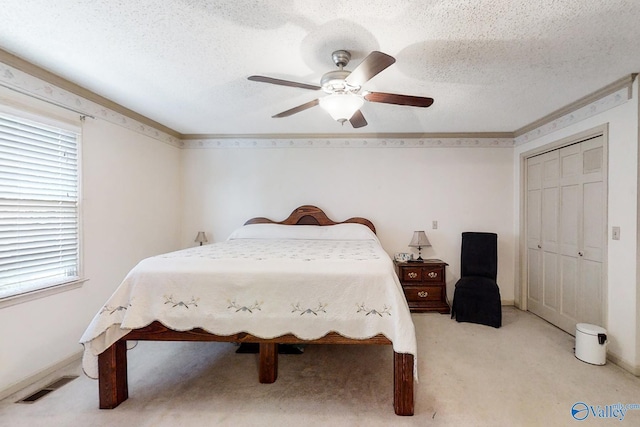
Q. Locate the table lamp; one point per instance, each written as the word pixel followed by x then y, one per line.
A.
pixel 419 241
pixel 201 238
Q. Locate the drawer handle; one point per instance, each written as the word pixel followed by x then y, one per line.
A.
pixel 412 275
pixel 432 274
pixel 423 294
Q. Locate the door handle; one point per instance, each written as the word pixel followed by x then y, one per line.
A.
pixel 539 246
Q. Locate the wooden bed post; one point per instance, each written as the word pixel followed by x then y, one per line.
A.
pixel 403 383
pixel 112 375
pixel 268 372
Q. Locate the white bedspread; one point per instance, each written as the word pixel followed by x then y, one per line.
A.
pixel 266 286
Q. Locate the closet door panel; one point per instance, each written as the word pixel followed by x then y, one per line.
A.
pixel 569 286
pixel 594 222
pixel 533 277
pixel 591 307
pixel 550 287
pixel 569 217
pixel 570 162
pixel 550 209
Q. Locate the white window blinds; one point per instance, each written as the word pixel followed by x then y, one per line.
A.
pixel 39 244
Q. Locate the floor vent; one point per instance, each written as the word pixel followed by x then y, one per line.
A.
pixel 48 389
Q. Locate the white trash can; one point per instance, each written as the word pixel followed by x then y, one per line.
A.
pixel 591 343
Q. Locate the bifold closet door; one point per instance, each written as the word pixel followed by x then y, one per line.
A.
pixel 542 233
pixel 566 234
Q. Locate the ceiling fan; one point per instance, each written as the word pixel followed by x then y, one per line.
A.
pixel 343 87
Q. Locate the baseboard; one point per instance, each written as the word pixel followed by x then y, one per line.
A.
pixel 507 302
pixel 39 376
pixel 629 367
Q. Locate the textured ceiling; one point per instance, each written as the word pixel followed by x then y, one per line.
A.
pixel 491 65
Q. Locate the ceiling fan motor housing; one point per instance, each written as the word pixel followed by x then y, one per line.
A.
pixel 334 82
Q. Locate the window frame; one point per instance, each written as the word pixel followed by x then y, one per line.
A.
pixel 18 296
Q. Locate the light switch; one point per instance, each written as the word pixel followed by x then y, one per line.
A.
pixel 434 225
pixel 615 233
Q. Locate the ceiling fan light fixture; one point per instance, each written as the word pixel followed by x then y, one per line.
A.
pixel 341 106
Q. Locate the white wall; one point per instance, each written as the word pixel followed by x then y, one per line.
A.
pixel 623 322
pixel 399 189
pixel 131 209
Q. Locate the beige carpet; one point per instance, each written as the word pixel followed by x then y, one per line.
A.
pixel 523 374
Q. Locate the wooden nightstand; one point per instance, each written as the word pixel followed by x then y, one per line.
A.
pixel 424 285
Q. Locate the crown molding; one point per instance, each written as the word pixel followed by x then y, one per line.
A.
pixel 48 77
pixel 613 94
pixel 388 135
pixel 357 141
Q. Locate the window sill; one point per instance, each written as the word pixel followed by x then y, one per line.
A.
pixel 40 293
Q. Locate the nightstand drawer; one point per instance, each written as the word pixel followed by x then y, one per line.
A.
pixel 423 293
pixel 432 274
pixel 412 274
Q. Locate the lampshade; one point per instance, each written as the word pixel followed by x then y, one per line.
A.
pixel 341 106
pixel 419 240
pixel 201 237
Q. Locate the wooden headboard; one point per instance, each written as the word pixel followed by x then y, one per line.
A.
pixel 310 215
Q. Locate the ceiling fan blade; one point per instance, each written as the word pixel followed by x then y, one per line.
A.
pixel 297 109
pixel 369 67
pixel 281 82
pixel 392 98
pixel 357 120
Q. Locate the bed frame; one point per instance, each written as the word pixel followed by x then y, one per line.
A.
pixel 112 363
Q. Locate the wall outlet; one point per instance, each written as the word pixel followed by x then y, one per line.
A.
pixel 434 225
pixel 615 233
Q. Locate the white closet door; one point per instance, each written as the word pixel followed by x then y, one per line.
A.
pixel 534 233
pixel 570 217
pixel 594 234
pixel 566 230
pixel 542 234
pixel 550 232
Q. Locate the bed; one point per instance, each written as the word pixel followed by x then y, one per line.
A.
pixel 304 280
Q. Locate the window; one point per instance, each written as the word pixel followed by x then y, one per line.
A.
pixel 39 236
